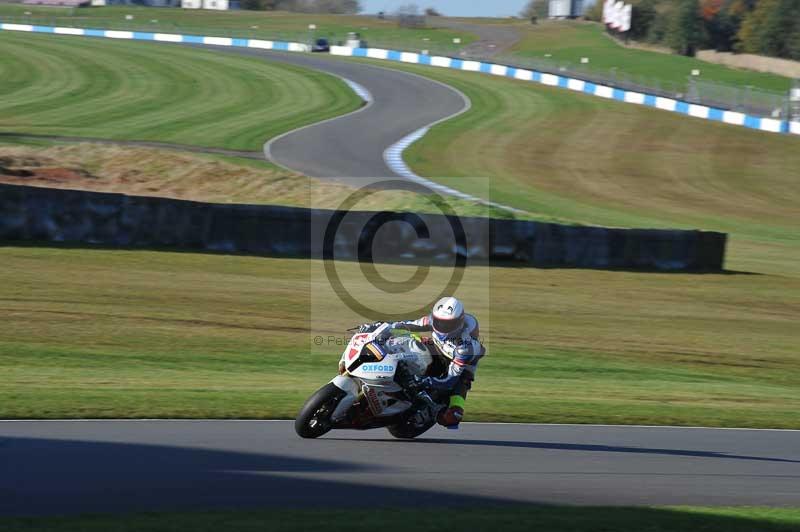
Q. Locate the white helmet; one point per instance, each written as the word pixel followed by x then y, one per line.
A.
pixel 447 317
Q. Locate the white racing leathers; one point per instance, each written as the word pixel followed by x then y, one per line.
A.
pixel 463 348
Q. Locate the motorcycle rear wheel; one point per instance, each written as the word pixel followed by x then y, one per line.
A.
pixel 314 418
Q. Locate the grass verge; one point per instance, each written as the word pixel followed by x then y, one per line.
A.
pixel 211 178
pixel 522 518
pixel 93 333
pixel 567 156
pixel 112 333
pixel 74 86
pixel 270 25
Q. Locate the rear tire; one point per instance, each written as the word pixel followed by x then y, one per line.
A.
pixel 314 418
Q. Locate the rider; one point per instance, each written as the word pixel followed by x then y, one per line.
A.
pixel 455 335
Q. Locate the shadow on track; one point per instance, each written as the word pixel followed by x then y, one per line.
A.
pixel 578 447
pixel 56 477
pixel 46 477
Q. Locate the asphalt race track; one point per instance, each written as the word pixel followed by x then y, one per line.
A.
pixel 55 467
pixel 353 145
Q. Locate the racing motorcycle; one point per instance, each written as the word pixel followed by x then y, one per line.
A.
pixel 376 388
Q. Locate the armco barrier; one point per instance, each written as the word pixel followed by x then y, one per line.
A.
pixel 70 216
pixel 602 91
pixel 577 85
pixel 160 37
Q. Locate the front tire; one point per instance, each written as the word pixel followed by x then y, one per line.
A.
pixel 314 418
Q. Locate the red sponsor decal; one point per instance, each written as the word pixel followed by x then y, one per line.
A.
pixel 355 345
pixel 374 402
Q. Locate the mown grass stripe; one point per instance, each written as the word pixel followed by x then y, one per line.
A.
pixel 121 89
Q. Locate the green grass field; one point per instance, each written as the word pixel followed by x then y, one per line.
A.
pixel 582 159
pixel 125 334
pixel 130 90
pixel 514 518
pixel 112 333
pixel 101 333
pixel 272 25
pixel 569 41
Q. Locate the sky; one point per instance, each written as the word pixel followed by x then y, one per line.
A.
pixel 452 8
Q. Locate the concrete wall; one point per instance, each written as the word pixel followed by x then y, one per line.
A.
pixel 69 216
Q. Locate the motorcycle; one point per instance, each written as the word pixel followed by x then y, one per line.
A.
pixel 375 389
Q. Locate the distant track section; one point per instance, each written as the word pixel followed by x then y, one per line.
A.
pixel 352 146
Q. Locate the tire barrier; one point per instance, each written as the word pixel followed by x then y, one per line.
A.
pixel 77 217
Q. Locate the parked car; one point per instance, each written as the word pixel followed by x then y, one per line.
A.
pixel 321 45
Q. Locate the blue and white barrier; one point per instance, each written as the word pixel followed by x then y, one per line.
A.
pixel 161 37
pixel 667 104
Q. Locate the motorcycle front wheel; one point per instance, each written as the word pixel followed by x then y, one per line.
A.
pixel 314 418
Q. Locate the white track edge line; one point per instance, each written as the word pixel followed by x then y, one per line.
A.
pixel 393 155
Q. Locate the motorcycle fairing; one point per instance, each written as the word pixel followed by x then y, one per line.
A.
pixel 370 369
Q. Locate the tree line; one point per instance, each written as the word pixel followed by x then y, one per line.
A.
pixel 765 27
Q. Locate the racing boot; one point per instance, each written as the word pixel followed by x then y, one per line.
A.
pixel 451 416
